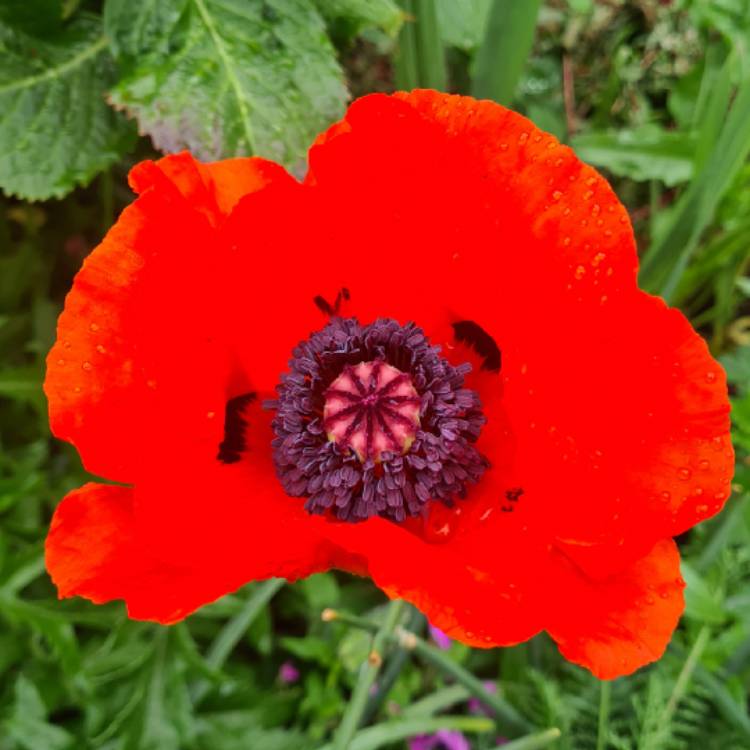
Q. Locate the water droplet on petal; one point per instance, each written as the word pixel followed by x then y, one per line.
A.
pixel 580 271
pixel 86 366
pixel 684 474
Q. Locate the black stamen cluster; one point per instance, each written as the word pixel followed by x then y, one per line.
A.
pixel 439 464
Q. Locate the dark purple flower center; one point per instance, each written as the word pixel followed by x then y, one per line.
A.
pixel 371 421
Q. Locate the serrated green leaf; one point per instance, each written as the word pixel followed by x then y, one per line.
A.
pixel 227 77
pixel 56 130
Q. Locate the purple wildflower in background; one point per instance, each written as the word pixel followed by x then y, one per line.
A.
pixel 439 638
pixel 443 739
pixel 476 706
pixel 288 673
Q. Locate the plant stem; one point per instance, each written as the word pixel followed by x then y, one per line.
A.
pixel 510 719
pixel 391 671
pixel 685 674
pixel 604 704
pixel 368 673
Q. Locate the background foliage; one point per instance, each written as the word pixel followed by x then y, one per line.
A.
pixel 654 92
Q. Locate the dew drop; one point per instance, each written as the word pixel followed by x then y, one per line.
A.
pixel 597 259
pixel 595 209
pixel 211 414
pixel 60 362
pixel 523 138
pixel 66 344
pixel 607 232
pixel 591 181
pixel 566 241
pixel 101 349
pixel 559 162
pixel 701 508
pixel 588 195
pixel 503 146
pixel 566 212
pixel 650 600
pixel 666 496
pixel 710 377
pixel 86 366
pixel 537 139
pixel 703 464
pixel 557 195
pixel 77 389
pixel 580 271
pixel 684 474
pixel 720 496
pixel 664 594
pixel 603 299
pixel 94 327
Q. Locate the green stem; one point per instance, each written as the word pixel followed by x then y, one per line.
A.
pixel 391 672
pixel 368 673
pixel 406 62
pixel 605 697
pixel 686 673
pixel 508 717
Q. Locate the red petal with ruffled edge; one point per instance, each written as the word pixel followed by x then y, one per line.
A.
pixel 139 351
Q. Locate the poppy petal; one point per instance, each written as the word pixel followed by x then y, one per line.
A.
pixel 608 389
pixel 135 356
pixel 614 626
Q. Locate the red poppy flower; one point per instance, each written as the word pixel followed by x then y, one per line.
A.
pixel 277 371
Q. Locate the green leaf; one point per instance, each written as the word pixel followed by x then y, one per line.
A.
pixel 28 726
pixel 507 43
pixel 227 77
pixel 648 153
pixel 462 24
pixel 56 130
pixel 382 14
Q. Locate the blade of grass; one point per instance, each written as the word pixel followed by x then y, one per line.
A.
pixel 670 253
pixel 394 731
pixel 230 635
pixel 686 673
pixel 502 55
pixel 605 698
pixel 533 741
pixel 406 61
pixel 369 671
pixel 420 62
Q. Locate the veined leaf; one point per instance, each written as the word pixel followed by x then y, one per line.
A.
pixel 56 130
pixel 227 77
